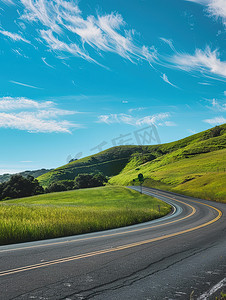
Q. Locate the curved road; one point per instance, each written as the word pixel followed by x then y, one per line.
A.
pixel 180 256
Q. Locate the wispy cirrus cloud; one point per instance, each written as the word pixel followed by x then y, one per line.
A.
pixel 169 42
pixel 217 106
pixel 14 36
pixel 204 83
pixel 215 121
pixel 7 1
pixel 26 85
pixel 63 28
pixel 34 116
pixel 57 45
pixel 165 78
pixel 215 8
pixel 19 52
pixel 45 62
pixel 156 119
pixel 137 109
pixel 205 61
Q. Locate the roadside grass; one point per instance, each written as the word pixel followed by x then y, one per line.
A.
pixel 75 212
pixel 202 175
pixel 221 297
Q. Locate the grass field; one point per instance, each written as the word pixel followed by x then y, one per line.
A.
pixel 202 175
pixel 75 212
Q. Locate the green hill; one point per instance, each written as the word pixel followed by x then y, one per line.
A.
pixel 194 165
pixel 109 162
pixel 198 168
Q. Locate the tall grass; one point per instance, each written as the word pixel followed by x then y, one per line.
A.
pixel 88 210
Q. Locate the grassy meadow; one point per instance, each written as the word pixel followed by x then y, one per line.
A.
pixel 202 175
pixel 75 212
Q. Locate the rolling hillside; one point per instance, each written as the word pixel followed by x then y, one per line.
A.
pixel 109 162
pixel 195 165
pixel 198 169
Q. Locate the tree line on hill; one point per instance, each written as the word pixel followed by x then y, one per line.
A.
pixel 18 186
pixel 34 173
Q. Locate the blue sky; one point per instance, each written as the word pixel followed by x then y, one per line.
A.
pixel 76 75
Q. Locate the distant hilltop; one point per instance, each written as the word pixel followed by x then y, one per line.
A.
pixel 34 173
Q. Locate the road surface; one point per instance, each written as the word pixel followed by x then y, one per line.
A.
pixel 180 256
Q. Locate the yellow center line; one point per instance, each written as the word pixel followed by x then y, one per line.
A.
pixel 119 248
pixel 108 235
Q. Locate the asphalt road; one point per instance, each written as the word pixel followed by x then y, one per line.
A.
pixel 180 256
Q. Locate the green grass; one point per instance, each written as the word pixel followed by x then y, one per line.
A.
pixel 222 296
pixel 75 212
pixel 202 175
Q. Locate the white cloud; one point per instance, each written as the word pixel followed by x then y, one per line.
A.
pixel 8 2
pixel 9 103
pixel 207 62
pixel 216 8
pixel 218 106
pixel 44 60
pixel 170 123
pixel 56 45
pixel 42 11
pixel 154 119
pixel 137 109
pixel 34 116
pixel 216 121
pixel 19 52
pixel 168 42
pixel 14 36
pixel 116 118
pixel 24 84
pixel 165 78
pixel 63 28
pixel 134 121
pixel 204 83
pixel 54 112
pixel 31 123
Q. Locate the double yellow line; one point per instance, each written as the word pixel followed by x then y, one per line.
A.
pixel 119 248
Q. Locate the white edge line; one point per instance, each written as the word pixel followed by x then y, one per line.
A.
pixel 213 290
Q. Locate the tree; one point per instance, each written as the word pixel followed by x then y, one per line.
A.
pixel 56 187
pixel 18 186
pixel 90 180
pixel 213 132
